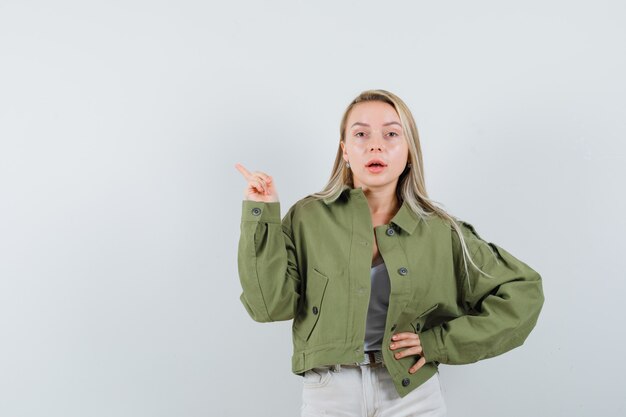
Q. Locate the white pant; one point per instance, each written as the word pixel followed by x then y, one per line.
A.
pixel 363 391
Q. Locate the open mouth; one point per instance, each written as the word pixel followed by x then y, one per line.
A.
pixel 375 166
pixel 376 163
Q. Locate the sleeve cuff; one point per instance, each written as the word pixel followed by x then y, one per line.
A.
pixel 432 349
pixel 258 211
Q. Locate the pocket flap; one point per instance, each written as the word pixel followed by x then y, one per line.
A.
pixel 312 307
pixel 418 322
pixel 428 310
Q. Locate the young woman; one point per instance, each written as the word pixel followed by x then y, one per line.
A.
pixel 381 283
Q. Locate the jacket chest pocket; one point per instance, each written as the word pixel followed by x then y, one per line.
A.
pixel 418 323
pixel 311 311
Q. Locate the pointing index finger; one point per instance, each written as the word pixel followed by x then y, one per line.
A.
pixel 243 171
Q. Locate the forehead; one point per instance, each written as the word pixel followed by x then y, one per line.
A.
pixel 372 113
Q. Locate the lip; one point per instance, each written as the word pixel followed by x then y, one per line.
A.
pixel 374 169
pixel 375 161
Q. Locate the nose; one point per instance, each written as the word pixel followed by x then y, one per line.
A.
pixel 376 143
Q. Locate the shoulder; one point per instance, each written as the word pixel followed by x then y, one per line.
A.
pixel 467 229
pixel 304 208
pixel 468 234
pixel 481 250
pixel 446 226
pixel 306 204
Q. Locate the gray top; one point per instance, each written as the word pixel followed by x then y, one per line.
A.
pixel 377 310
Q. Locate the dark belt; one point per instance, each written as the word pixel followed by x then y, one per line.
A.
pixel 372 358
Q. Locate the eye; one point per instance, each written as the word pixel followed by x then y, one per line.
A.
pixel 359 134
pixel 393 134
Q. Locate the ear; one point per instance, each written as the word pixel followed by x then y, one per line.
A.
pixel 343 149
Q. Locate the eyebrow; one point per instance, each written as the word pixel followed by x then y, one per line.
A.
pixel 365 124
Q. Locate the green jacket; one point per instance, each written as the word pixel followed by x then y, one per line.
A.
pixel 314 267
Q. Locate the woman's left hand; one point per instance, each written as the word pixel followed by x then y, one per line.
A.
pixel 412 342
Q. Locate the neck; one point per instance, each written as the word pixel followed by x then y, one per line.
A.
pixel 382 201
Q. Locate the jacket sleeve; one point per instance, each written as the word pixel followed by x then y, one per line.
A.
pixel 500 311
pixel 267 264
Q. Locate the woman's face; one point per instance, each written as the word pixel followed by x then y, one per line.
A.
pixel 375 145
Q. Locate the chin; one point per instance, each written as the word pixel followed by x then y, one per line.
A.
pixel 376 184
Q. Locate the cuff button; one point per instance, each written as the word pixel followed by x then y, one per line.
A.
pixel 256 211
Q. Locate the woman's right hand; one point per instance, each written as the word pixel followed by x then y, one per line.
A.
pixel 260 186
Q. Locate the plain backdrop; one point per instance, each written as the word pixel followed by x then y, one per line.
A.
pixel 121 122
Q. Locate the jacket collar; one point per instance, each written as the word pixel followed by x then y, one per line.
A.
pixel 404 218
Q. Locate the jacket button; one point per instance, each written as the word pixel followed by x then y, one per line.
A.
pixel 256 211
pixel 405 382
pixel 393 327
pixel 403 271
pixel 390 231
pixel 315 310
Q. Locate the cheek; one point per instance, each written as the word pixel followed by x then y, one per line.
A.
pixel 399 151
pixel 356 149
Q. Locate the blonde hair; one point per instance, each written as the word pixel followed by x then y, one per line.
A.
pixel 411 186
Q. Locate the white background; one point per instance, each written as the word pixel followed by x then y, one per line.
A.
pixel 121 122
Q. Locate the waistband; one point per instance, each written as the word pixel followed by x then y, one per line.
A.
pixel 371 358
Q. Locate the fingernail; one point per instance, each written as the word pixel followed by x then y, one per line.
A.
pixel 392 346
